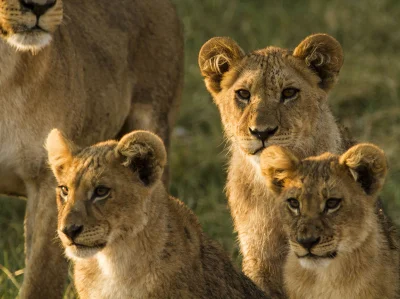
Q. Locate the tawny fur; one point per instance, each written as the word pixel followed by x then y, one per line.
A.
pixel 140 242
pixel 357 255
pixel 98 70
pixel 304 124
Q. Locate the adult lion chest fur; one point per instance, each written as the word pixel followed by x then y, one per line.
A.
pixel 270 96
pixel 96 70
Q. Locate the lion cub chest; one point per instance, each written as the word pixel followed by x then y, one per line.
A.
pixel 101 277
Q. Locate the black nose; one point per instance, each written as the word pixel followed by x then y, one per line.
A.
pixel 308 243
pixel 263 135
pixel 38 7
pixel 72 231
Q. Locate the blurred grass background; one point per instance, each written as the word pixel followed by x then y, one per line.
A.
pixel 366 100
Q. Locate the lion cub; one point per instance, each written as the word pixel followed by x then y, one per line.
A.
pixel 126 236
pixel 341 243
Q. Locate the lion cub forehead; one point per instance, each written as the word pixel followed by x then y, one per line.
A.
pixel 317 168
pixel 91 161
pixel 320 174
pixel 270 67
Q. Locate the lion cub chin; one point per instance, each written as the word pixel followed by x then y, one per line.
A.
pixel 341 243
pixel 125 235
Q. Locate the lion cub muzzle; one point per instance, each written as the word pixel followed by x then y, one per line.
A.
pixel 312 244
pixel 81 237
pixel 308 243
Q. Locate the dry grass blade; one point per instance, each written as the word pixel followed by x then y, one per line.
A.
pixel 10 276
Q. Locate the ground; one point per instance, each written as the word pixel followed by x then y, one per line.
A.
pixel 366 99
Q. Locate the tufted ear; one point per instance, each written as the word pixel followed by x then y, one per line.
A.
pixel 144 153
pixel 216 57
pixel 367 165
pixel 278 166
pixel 60 151
pixel 324 55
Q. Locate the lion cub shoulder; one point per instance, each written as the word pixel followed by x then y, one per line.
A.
pixel 126 236
pixel 341 243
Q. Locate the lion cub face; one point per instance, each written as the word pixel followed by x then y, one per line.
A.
pixel 28 24
pixel 103 190
pixel 327 203
pixel 270 96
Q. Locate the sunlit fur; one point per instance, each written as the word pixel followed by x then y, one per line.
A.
pixel 358 255
pixel 139 242
pixel 23 30
pixel 304 124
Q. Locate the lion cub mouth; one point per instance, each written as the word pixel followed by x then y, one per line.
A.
pixel 313 261
pixel 330 255
pixel 81 246
pixel 76 250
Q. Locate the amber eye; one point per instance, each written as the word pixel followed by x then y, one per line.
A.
pixel 332 203
pixel 289 94
pixel 63 191
pixel 243 95
pixel 101 192
pixel 293 203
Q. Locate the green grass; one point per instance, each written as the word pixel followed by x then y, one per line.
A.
pixel 366 99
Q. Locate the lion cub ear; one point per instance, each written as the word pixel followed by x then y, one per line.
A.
pixel 60 151
pixel 279 166
pixel 324 55
pixel 144 153
pixel 216 57
pixel 367 165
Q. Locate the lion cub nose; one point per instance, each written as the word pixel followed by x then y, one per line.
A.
pixel 308 243
pixel 72 231
pixel 38 7
pixel 263 135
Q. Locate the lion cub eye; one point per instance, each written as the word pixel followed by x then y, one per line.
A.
pixel 293 203
pixel 101 192
pixel 332 204
pixel 63 192
pixel 289 94
pixel 243 95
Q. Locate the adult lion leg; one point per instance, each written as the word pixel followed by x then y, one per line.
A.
pixel 157 113
pixel 45 266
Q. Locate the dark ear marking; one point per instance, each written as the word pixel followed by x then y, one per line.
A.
pixel 367 165
pixel 365 178
pixel 144 153
pixel 144 167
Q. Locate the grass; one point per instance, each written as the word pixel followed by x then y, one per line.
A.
pixel 366 99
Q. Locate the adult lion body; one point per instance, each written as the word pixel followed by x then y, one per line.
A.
pixel 111 67
pixel 270 96
pixel 342 244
